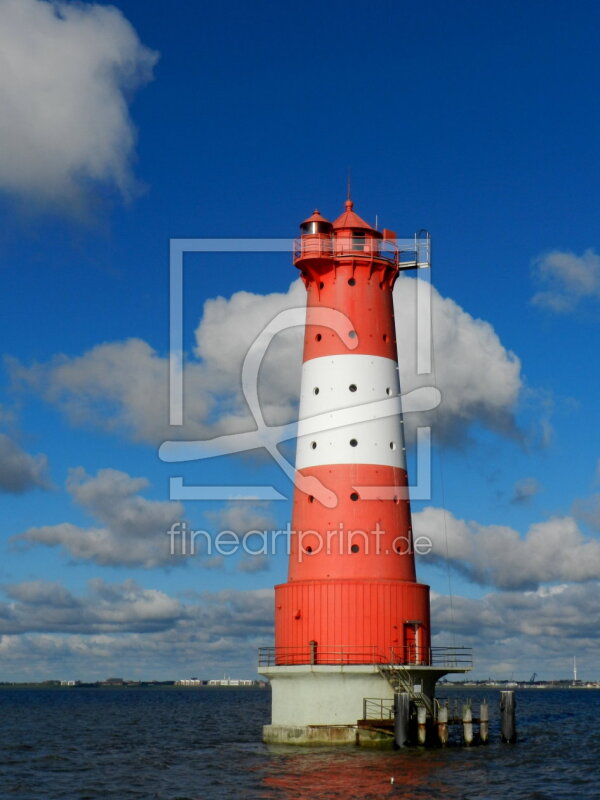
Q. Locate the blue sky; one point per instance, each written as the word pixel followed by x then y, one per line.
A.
pixel 127 125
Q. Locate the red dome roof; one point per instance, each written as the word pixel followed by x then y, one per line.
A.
pixel 315 217
pixel 351 220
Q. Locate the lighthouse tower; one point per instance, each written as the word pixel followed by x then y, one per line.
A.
pixel 352 623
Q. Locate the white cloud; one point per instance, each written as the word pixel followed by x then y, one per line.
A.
pixel 567 279
pixel 479 379
pixel 20 471
pixel 496 555
pixel 132 529
pixel 588 509
pixel 122 386
pixel 45 606
pixel 531 631
pixel 125 629
pixel 524 490
pixel 257 563
pixel 243 516
pixel 67 71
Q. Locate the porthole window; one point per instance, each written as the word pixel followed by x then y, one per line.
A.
pixel 353 442
pixel 352 334
pixel 355 548
pixel 309 549
pixel 311 499
pixel 388 391
pixel 313 445
pixel 354 496
pixel 318 337
pixel 351 282
pixel 352 387
pixel 321 285
pixel 385 337
pixel 316 390
pixel 392 445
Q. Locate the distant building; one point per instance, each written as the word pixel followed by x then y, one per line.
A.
pixel 67 683
pixel 232 682
pixel 190 682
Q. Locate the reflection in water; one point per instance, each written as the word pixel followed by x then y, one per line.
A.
pixel 304 774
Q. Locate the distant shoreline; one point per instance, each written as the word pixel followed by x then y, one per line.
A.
pixel 171 686
pixel 124 687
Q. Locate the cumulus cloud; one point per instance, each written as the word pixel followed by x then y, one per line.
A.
pixel 45 606
pixel 242 517
pixel 530 631
pixel 524 490
pixel 20 471
pixel 128 630
pixel 132 529
pixel 67 71
pixel 588 510
pixel 496 555
pixel 122 386
pixel 255 563
pixel 567 279
pixel 479 379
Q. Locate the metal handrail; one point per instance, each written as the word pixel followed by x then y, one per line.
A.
pixel 409 655
pixel 378 708
pixel 414 253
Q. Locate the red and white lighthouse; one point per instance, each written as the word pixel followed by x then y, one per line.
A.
pixel 352 622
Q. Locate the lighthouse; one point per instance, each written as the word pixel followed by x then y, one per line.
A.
pixel 352 623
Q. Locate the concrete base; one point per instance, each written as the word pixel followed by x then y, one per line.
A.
pixel 328 735
pixel 321 704
pixel 323 694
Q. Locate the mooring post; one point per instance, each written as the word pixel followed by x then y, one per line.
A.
pixel 507 711
pixel 442 725
pixel 421 725
pixel 401 718
pixel 484 719
pixel 467 716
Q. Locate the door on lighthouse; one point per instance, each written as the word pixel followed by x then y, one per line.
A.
pixel 412 643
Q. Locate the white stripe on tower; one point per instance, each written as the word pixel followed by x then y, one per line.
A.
pixel 348 390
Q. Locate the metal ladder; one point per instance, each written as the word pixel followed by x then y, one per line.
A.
pixel 398 677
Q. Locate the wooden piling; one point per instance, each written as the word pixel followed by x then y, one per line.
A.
pixel 484 718
pixel 442 725
pixel 467 717
pixel 507 712
pixel 401 718
pixel 421 725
